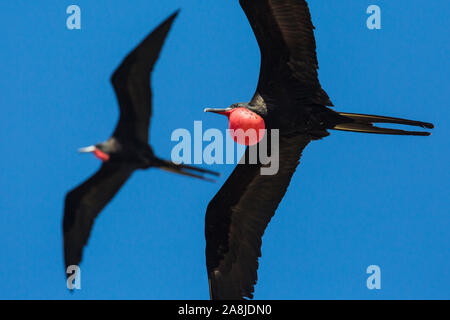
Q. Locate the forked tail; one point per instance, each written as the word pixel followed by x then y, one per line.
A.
pixel 187 170
pixel 364 123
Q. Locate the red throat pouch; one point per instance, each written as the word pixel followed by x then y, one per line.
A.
pixel 101 155
pixel 246 127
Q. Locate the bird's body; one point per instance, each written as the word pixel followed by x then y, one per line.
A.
pixel 134 153
pixel 288 98
pixel 125 151
pixel 290 119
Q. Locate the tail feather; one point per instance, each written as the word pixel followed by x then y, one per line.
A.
pixel 187 170
pixel 364 123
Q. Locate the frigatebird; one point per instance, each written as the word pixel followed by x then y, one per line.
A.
pixel 125 151
pixel 289 98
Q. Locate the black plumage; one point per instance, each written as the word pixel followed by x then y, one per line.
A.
pixel 126 151
pixel 290 98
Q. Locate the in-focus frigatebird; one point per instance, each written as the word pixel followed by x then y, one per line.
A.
pixel 126 150
pixel 290 98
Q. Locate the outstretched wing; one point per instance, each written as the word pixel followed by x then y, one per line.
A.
pixel 285 35
pixel 237 217
pixel 131 83
pixel 84 203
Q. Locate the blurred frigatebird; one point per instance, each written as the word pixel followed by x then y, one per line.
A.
pixel 290 98
pixel 126 151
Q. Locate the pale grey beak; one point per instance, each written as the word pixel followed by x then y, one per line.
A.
pixel 220 111
pixel 87 149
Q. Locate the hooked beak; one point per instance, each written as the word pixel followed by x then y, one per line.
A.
pixel 223 111
pixel 87 149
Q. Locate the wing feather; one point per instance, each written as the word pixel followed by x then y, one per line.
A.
pixel 131 82
pixel 84 203
pixel 237 217
pixel 285 34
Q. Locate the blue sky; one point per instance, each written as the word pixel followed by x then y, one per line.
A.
pixel 356 199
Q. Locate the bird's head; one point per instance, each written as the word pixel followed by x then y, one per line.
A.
pixel 99 150
pixel 245 124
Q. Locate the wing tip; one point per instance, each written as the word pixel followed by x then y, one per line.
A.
pixel 173 16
